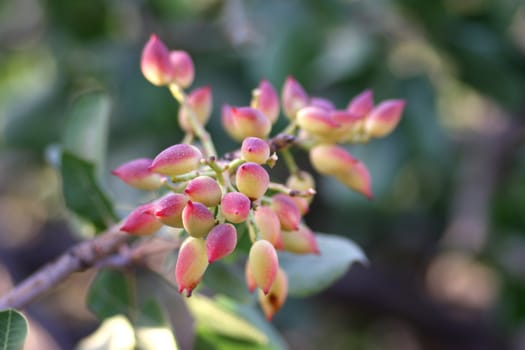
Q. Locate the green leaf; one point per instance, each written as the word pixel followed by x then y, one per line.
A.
pixel 229 280
pixel 253 315
pixel 309 274
pixel 82 192
pixel 217 319
pixel 115 333
pixel 110 294
pixel 13 330
pixel 86 131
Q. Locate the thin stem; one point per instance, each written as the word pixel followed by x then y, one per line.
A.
pixel 289 161
pixel 252 228
pixel 179 187
pixel 290 129
pixel 198 129
pixel 192 175
pixel 188 138
pixel 233 165
pixel 212 163
pixel 291 192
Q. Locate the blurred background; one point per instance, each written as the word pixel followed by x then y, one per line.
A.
pixel 445 233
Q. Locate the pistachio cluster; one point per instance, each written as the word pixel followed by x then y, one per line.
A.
pixel 213 198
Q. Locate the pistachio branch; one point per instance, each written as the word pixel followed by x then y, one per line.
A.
pixel 78 258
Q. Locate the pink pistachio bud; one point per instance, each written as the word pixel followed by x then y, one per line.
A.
pixel 205 190
pixel 141 221
pixel 184 72
pixel 331 159
pixel 221 241
pixel 250 281
pixel 200 101
pixel 357 178
pixel 197 219
pixel 336 161
pixel 316 121
pixel 301 241
pixel 250 122
pixel 176 160
pixel 321 102
pixel 268 225
pixel 235 207
pixel 192 262
pixel 294 97
pixel 267 101
pixel 302 204
pixel 255 150
pixel 136 173
pixel 168 209
pixel 155 62
pixel 384 118
pixel 263 264
pixel 362 104
pixel 228 124
pixel 301 181
pixel 288 213
pixel 348 124
pixel 252 180
pixel 274 300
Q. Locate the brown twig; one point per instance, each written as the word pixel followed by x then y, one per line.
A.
pixel 78 258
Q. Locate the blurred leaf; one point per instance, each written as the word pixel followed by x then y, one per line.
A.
pixel 13 330
pixel 115 333
pixel 208 339
pixel 151 314
pixel 86 131
pixel 152 338
pixel 309 274
pixel 229 280
pixel 251 314
pixel 110 294
pixel 82 192
pixel 216 319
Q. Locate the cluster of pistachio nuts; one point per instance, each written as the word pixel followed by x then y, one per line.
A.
pixel 211 198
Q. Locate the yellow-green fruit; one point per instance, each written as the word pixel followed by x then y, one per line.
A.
pixel 263 264
pixel 192 262
pixel 252 180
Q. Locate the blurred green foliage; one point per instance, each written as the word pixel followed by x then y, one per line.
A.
pixel 460 65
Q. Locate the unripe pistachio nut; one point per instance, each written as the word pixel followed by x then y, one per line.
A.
pixel 288 213
pixel 141 221
pixel 268 225
pixel 200 101
pixel 155 62
pixel 293 97
pixel 317 122
pixel 136 173
pixel 384 118
pixel 168 209
pixel 250 122
pixel 301 241
pixel 197 219
pixel 252 180
pixel 221 241
pixel 176 160
pixel 205 190
pixel 235 207
pixel 274 300
pixel 184 71
pixel 361 104
pixel 254 149
pixel 266 100
pixel 191 264
pixel 263 264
